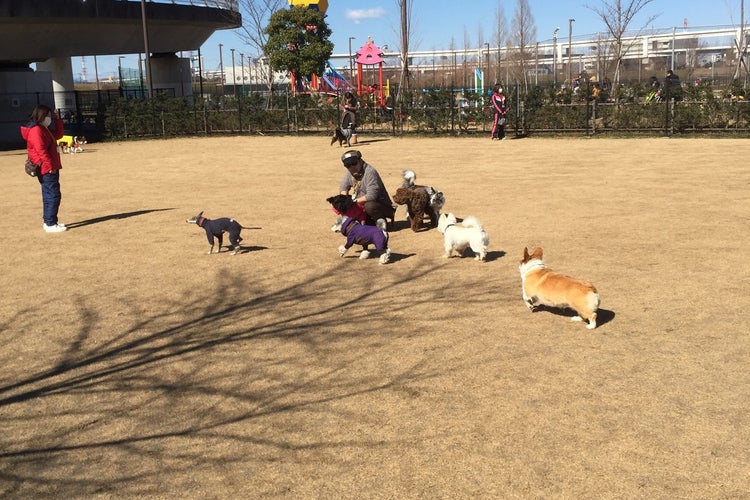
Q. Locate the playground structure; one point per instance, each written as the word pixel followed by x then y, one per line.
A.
pixel 371 55
pixel 332 82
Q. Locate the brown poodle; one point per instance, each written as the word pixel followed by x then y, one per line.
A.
pixel 417 201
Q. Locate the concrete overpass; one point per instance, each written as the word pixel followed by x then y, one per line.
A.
pixel 50 32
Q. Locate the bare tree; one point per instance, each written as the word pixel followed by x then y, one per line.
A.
pixel 617 15
pixel 468 75
pixel 405 9
pixel 523 34
pixel 500 36
pixel 255 17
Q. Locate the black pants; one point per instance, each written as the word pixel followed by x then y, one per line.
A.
pixel 376 210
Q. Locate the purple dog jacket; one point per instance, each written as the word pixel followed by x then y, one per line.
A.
pixel 360 234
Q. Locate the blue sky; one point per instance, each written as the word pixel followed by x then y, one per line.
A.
pixel 436 22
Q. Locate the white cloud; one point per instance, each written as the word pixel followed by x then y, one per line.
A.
pixel 357 15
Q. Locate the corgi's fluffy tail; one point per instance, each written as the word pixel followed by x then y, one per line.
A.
pixel 381 224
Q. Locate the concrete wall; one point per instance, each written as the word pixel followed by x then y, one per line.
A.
pixel 29 88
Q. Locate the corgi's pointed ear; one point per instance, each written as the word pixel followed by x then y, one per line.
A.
pixel 525 253
pixel 200 214
pixel 537 253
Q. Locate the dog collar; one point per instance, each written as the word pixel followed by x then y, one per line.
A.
pixel 538 265
pixel 201 221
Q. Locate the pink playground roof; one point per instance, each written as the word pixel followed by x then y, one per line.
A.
pixel 369 54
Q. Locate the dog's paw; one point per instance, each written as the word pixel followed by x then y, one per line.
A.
pixel 364 254
pixel 385 257
pixel 342 250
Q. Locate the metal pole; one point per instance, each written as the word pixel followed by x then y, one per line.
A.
pixel 351 62
pixel 96 72
pixel 119 72
pixel 242 71
pixel 570 51
pixel 146 50
pixel 200 72
pixel 140 72
pixel 554 56
pixel 234 77
pixel 221 69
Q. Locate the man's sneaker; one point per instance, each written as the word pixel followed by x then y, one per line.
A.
pixel 57 228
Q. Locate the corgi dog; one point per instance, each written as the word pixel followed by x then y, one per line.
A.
pixel 542 286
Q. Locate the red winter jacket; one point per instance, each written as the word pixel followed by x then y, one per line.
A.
pixel 41 144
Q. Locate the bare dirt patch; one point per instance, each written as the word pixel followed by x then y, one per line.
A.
pixel 133 364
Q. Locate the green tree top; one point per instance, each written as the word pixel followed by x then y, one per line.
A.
pixel 298 41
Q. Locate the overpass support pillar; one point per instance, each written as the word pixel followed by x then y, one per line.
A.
pixel 61 70
pixel 171 74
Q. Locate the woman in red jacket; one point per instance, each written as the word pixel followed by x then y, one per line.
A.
pixel 41 135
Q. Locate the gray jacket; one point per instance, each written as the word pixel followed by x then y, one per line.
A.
pixel 371 187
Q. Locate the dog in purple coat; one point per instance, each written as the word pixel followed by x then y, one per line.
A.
pixel 357 233
pixel 215 228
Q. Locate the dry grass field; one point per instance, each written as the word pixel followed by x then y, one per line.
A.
pixel 135 365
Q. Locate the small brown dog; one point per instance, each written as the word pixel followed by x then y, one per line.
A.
pixel 417 202
pixel 542 286
pixel 420 201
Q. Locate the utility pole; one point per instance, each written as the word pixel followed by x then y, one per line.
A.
pixel 351 62
pixel 221 68
pixel 146 50
pixel 554 56
pixel 570 51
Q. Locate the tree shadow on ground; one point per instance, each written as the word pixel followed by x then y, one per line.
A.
pixel 194 366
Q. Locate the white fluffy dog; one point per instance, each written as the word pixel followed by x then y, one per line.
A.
pixel 458 237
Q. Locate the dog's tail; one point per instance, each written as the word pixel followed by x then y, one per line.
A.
pixel 381 224
pixel 472 221
pixel 251 227
pixel 409 178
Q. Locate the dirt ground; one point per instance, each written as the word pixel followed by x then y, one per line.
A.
pixel 136 365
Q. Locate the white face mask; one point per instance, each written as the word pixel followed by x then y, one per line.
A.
pixel 47 121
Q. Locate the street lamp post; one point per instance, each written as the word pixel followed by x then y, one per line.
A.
pixel 119 72
pixel 221 69
pixel 96 72
pixel 140 72
pixel 234 77
pixel 242 71
pixel 147 51
pixel 351 62
pixel 554 56
pixel 570 51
